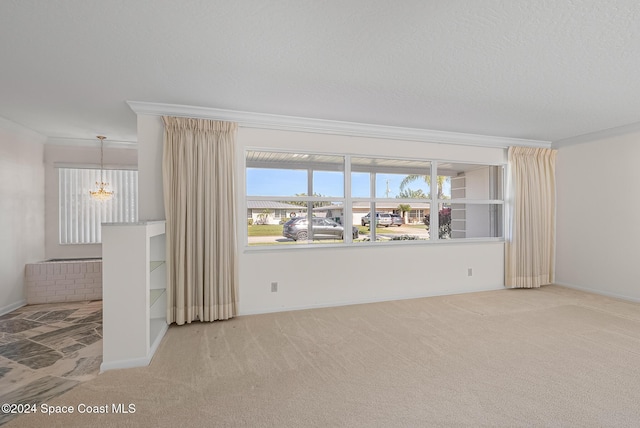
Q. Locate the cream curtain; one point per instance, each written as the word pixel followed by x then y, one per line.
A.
pixel 199 198
pixel 530 248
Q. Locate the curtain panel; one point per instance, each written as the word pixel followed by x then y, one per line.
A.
pixel 199 198
pixel 530 246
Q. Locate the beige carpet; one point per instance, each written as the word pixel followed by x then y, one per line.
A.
pixel 543 357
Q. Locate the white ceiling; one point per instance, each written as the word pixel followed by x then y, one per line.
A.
pixel 543 70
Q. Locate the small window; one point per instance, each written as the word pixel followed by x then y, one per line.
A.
pixel 80 216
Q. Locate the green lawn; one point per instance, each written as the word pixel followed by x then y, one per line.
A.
pixel 265 230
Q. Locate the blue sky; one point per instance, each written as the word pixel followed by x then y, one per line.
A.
pixel 277 182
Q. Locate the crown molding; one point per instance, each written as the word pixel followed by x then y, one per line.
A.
pixel 85 165
pixel 90 142
pixel 293 123
pixel 598 135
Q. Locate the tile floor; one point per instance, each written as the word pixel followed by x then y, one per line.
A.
pixel 45 350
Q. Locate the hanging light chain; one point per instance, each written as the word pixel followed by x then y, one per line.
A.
pixel 101 138
pixel 102 194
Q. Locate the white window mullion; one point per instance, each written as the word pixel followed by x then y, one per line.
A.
pixel 434 214
pixel 310 204
pixel 372 209
pixel 347 204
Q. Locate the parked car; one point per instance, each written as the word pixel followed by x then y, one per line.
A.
pixel 382 219
pixel 396 220
pixel 298 229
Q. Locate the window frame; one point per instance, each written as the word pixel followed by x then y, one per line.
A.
pixel 472 201
pixel 347 200
pixel 374 200
pixel 309 198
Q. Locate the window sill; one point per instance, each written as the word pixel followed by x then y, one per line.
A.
pixel 387 244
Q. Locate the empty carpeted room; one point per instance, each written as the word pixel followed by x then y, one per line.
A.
pixel 308 214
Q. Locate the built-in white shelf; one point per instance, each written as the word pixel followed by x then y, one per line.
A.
pixel 154 296
pixel 134 292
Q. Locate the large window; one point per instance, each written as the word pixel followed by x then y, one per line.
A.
pixel 303 198
pixel 80 216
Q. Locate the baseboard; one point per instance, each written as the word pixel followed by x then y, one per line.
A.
pixel 12 307
pixel 600 292
pixel 158 339
pixel 125 364
pixel 365 301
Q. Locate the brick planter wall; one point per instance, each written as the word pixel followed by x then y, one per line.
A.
pixel 63 281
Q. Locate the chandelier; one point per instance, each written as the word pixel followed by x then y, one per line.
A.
pixel 102 194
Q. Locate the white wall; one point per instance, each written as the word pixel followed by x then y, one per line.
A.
pixel 314 277
pixel 70 156
pixel 319 277
pixel 478 218
pixel 598 212
pixel 150 198
pixel 21 209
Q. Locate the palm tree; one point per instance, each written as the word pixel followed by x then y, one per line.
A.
pixel 412 194
pixel 404 209
pixel 263 217
pixel 427 178
pixel 304 203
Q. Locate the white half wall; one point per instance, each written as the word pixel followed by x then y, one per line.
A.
pixel 71 156
pixel 598 232
pixel 21 209
pixel 316 277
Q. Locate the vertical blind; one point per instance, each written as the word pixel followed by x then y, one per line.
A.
pixel 81 216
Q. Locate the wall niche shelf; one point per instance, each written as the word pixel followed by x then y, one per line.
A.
pixel 134 292
pixel 155 264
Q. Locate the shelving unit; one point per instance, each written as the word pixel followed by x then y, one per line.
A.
pixel 154 295
pixel 134 292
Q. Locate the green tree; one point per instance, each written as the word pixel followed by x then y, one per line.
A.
pixel 427 179
pixel 404 209
pixel 263 217
pixel 315 204
pixel 412 194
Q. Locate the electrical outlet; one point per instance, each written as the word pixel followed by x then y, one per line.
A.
pixel 469 272
pixel 274 287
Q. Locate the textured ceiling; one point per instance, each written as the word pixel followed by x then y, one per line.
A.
pixel 545 70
